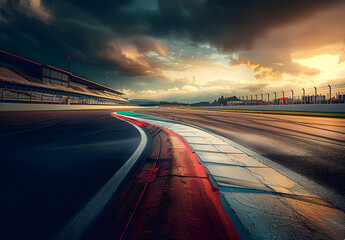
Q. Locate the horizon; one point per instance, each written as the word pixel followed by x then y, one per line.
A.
pixel 184 51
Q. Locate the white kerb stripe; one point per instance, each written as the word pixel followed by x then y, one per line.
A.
pixel 80 223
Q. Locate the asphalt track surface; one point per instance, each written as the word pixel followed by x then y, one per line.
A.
pixel 311 146
pixel 53 163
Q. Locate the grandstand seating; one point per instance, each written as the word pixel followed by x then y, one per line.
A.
pixel 23 80
pixel 10 76
pixel 23 91
pixel 28 77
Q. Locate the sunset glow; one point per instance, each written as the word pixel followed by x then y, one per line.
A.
pixel 327 64
pixel 164 50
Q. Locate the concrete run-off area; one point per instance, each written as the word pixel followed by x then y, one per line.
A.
pixel 261 202
pixel 312 147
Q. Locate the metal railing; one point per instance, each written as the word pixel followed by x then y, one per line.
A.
pixel 317 95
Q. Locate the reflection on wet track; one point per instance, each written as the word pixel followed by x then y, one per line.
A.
pixel 311 146
pixel 52 164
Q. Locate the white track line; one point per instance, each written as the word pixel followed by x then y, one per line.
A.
pixel 80 223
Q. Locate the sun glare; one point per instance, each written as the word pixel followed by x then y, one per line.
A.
pixel 326 63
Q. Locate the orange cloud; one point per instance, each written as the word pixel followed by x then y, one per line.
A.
pixel 262 72
pixel 129 54
pixel 35 8
pixel 246 62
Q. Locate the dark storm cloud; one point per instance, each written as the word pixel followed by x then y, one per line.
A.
pixel 86 29
pixel 22 33
pixel 229 25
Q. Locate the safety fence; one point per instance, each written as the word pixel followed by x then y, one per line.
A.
pixel 313 95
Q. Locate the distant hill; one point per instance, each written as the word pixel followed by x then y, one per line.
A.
pixel 144 102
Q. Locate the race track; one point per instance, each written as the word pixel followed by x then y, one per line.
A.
pixel 311 146
pixel 53 163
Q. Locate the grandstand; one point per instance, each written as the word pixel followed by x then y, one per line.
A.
pixel 26 81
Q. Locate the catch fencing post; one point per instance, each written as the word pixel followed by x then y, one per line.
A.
pixel 283 98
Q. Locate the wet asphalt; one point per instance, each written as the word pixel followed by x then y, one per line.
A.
pixel 311 146
pixel 52 163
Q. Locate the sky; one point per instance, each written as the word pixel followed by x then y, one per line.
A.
pixel 184 50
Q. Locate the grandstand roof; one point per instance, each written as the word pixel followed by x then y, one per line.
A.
pixel 18 58
pixel 15 60
pixel 18 78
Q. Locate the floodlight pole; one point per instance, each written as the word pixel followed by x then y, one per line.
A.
pixel 315 94
pixel 68 61
pixel 330 94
